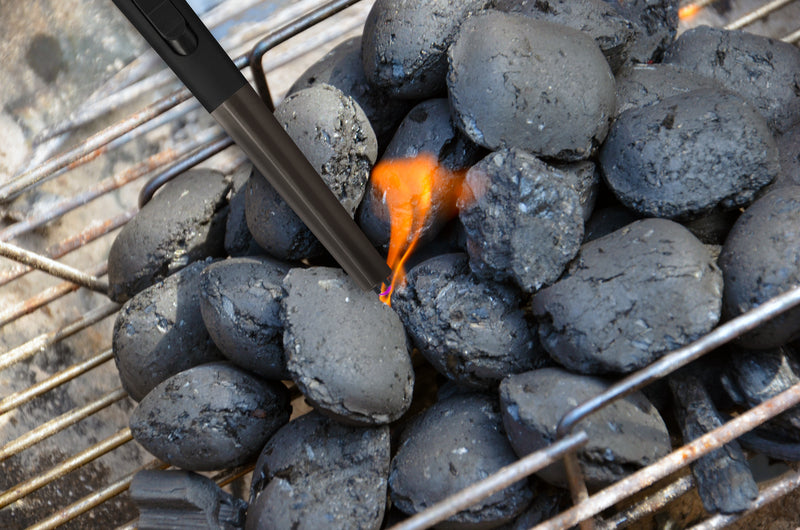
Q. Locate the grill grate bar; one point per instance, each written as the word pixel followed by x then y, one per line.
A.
pixel 792 38
pixel 94 499
pixel 758 14
pixel 60 423
pixel 652 504
pixel 52 267
pixel 39 343
pixel 71 464
pixel 17 399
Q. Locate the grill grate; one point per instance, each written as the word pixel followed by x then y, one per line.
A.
pixel 201 147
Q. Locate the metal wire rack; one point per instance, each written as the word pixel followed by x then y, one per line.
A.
pixel 187 153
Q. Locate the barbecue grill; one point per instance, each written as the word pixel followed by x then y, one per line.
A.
pixel 44 490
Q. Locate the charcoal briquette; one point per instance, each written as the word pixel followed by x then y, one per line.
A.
pixel 182 500
pixel 522 217
pixel 316 473
pixel 689 154
pixel 238 239
pixel 584 177
pixel 789 156
pixel 240 301
pixel 612 32
pixel 343 68
pixel 761 259
pixel 405 43
pixel 473 331
pixel 182 223
pixel 515 81
pixel 345 349
pixel 453 444
pixel 335 135
pixel 607 220
pixel 426 130
pixel 624 436
pixel 657 21
pixel 760 69
pixel 160 332
pixel 630 297
pixel 641 85
pixel 212 416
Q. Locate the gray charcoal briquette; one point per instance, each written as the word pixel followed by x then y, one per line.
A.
pixel 556 101
pixel 584 177
pixel 623 437
pixel 761 259
pixel 343 68
pixel 160 332
pixel 212 416
pixel 689 154
pixel 240 301
pixel 427 129
pixel 183 222
pixel 789 156
pixel 316 473
pixel 405 43
pixel 630 297
pixel 657 21
pixel 641 85
pixel 335 135
pixel 522 218
pixel 760 69
pixel 178 500
pixel 345 349
pixel 612 32
pixel 453 444
pixel 473 331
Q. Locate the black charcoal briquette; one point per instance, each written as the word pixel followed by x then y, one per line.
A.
pixel 345 349
pixel 316 473
pixel 212 416
pixel 238 239
pixel 761 259
pixel 641 85
pixel 183 222
pixel 515 81
pixel 160 332
pixel 426 130
pixel 522 217
pixel 657 21
pixel 335 135
pixel 630 297
pixel 405 43
pixel 760 69
pixel 471 330
pixel 626 435
pixel 453 444
pixel 240 304
pixel 689 154
pixel 789 154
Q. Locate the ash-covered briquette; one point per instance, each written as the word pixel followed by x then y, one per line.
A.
pixel 584 177
pixel 212 416
pixel 515 81
pixel 642 85
pixel 453 444
pixel 315 473
pixel 623 437
pixel 183 222
pixel 240 301
pixel 335 135
pixel 473 331
pixel 184 500
pixel 345 349
pixel 723 477
pixel 427 129
pixel 657 21
pixel 630 297
pixel 751 377
pixel 760 69
pixel 160 332
pixel 607 220
pixel 612 32
pixel 761 259
pixel 405 43
pixel 689 154
pixel 238 239
pixel 343 68
pixel 522 218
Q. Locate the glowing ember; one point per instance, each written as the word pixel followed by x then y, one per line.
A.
pixel 688 11
pixel 411 189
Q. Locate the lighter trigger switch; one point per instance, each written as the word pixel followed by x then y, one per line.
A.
pixel 169 23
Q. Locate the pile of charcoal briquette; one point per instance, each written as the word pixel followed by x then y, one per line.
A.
pixel 624 192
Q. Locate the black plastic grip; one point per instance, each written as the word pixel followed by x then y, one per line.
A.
pixel 178 35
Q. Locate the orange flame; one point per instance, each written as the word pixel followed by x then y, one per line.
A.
pixel 688 11
pixel 411 189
